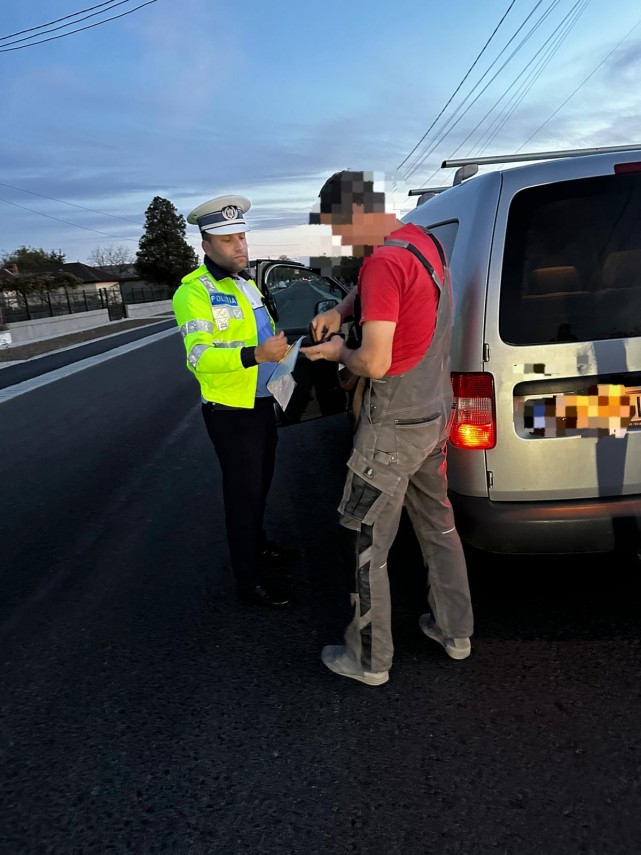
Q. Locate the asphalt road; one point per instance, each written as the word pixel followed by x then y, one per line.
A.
pixel 143 710
pixel 37 366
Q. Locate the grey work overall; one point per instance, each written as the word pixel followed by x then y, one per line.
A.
pixel 399 458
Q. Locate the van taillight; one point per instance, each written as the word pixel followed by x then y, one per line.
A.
pixel 474 424
pixel 620 168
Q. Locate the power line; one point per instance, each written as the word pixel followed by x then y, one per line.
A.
pixel 467 74
pixel 65 222
pixel 445 130
pixel 62 26
pixel 576 10
pixel 541 62
pixel 107 234
pixel 572 94
pixel 554 47
pixel 73 204
pixel 79 30
pixel 56 21
pixel 449 124
pixel 524 80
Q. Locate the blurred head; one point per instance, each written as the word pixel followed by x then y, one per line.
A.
pixel 355 211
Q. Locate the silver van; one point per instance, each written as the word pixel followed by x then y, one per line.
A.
pixel 545 451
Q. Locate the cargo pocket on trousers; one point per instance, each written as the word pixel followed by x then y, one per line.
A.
pixel 367 489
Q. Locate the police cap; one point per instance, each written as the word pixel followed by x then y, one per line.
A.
pixel 224 215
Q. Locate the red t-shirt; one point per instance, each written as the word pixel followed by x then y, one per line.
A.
pixel 394 286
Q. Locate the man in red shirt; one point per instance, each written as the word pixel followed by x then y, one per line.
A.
pixel 404 301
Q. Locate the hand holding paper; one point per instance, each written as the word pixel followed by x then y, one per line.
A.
pixel 272 349
pixel 281 384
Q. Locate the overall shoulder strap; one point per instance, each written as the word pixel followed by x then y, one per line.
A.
pixel 404 244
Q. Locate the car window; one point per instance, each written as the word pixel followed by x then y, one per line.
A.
pixel 296 292
pixel 572 262
pixel 446 234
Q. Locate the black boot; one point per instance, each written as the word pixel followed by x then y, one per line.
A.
pixel 264 595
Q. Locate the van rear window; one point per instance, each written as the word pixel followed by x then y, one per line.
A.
pixel 572 263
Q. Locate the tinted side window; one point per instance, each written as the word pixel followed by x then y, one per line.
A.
pixel 446 233
pixel 572 264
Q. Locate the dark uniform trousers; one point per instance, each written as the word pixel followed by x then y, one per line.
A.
pixel 245 442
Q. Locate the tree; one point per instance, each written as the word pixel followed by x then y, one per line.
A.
pixel 38 270
pixel 345 267
pixel 30 258
pixel 349 267
pixel 164 256
pixel 34 283
pixel 111 256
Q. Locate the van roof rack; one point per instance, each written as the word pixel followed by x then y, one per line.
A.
pixel 426 193
pixel 466 171
pixel 433 190
pixel 537 155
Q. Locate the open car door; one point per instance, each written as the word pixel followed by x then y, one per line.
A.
pixel 294 294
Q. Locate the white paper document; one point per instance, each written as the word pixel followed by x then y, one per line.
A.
pixel 281 384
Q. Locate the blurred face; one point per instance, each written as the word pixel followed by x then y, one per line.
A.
pixel 365 229
pixel 227 251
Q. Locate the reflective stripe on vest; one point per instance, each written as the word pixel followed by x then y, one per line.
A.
pixel 198 349
pixel 196 326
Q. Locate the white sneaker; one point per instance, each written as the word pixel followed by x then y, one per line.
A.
pixel 456 648
pixel 337 659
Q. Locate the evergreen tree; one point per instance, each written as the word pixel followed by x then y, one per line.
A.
pixel 164 256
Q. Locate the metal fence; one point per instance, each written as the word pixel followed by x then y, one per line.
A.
pixel 145 293
pixel 16 306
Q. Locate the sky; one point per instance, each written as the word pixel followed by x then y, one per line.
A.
pixel 194 99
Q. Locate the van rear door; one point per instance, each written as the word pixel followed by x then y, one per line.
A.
pixel 563 330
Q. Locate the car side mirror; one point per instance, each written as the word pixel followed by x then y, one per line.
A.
pixel 324 306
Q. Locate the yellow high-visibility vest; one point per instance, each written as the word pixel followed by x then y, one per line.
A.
pixel 216 320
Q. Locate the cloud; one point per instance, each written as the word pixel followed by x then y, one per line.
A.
pixel 625 63
pixel 193 99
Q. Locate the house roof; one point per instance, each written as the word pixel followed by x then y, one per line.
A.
pixel 121 271
pixel 86 273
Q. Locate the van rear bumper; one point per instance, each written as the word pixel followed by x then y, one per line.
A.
pixel 587 525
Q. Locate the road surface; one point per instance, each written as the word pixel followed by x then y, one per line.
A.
pixel 142 709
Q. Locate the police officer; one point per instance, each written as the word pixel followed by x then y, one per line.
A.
pixel 399 455
pixel 232 348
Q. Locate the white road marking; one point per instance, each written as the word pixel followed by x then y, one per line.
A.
pixel 51 376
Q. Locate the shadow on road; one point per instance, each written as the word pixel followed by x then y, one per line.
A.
pixel 530 597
